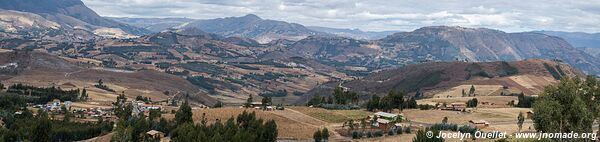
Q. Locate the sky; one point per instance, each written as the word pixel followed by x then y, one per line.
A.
pixel 377 15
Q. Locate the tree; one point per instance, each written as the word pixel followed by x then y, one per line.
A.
pixel 525 101
pixel 266 101
pixel 445 120
pixel 184 114
pixel 84 95
pixel 154 114
pixel 43 127
pixel 373 103
pixel 325 134
pixel 248 101
pixel 363 124
pixel 520 120
pixel 317 136
pixel 472 103
pixel 567 106
pixel 396 99
pixel 472 91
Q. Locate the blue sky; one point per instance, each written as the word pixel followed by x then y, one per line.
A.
pixel 377 15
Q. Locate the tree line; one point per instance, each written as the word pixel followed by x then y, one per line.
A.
pixel 245 127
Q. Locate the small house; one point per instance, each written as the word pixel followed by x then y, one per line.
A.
pixel 155 135
pixel 530 114
pixel 479 124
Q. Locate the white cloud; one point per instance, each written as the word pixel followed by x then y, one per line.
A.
pixel 507 15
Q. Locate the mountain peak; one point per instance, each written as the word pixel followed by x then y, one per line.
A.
pixel 251 16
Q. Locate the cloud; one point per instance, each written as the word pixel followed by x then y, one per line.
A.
pixel 404 15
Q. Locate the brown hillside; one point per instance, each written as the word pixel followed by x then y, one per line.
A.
pixel 40 69
pixel 529 77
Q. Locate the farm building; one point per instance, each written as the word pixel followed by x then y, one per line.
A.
pixel 455 107
pixel 388 116
pixel 479 124
pixel 384 124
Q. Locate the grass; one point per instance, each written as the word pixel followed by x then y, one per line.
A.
pixel 332 116
pixel 287 128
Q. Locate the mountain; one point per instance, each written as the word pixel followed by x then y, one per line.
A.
pixel 353 33
pixel 448 78
pixel 252 26
pixel 71 14
pixel 443 43
pixel 153 24
pixel 577 39
pixel 588 42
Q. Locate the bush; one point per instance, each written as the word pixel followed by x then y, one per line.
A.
pixel 399 130
pixel 356 135
pixel 391 132
pixel 378 133
pixel 369 134
pixel 407 130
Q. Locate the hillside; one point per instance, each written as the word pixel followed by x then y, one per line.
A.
pixel 41 69
pixel 529 77
pixel 71 14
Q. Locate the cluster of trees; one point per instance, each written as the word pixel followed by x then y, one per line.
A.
pixel 472 103
pixel 100 85
pixel 321 135
pixel 246 127
pixel 339 97
pixel 394 100
pixel 525 101
pixel 471 92
pixel 344 97
pixel 568 106
pixel 42 95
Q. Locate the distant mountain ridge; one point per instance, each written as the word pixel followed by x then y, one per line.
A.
pixel 444 43
pixel 353 33
pixel 252 26
pixel 588 42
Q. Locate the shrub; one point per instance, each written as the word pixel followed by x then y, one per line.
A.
pixel 378 133
pixel 355 135
pixel 391 132
pixel 369 134
pixel 407 130
pixel 399 130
